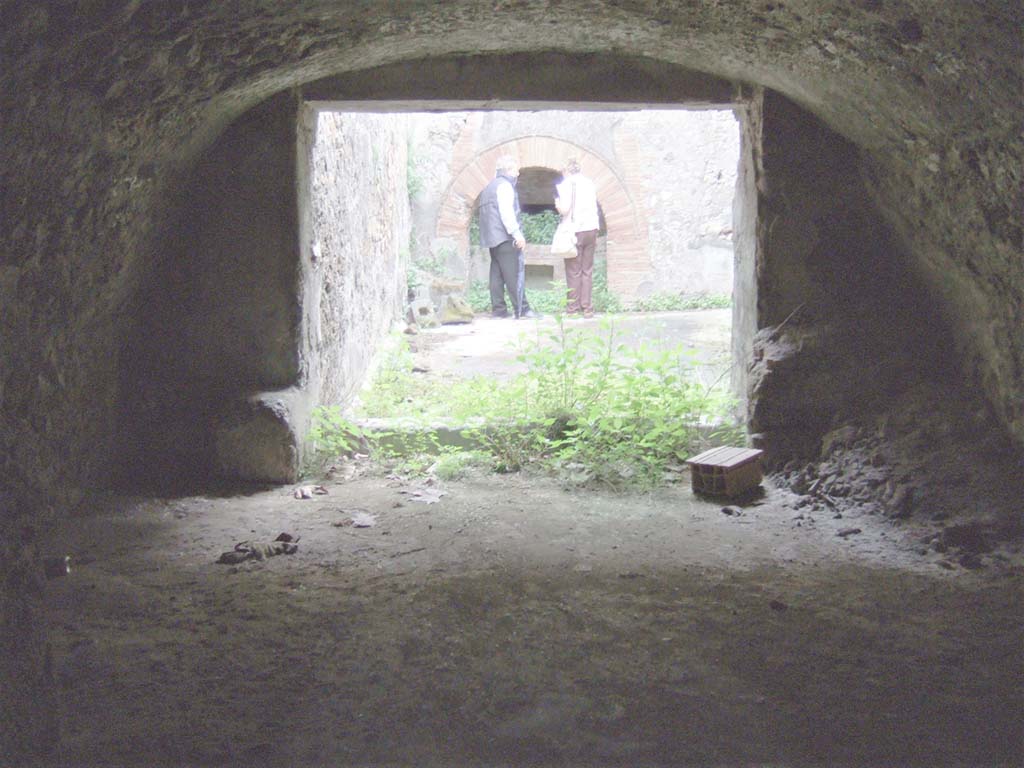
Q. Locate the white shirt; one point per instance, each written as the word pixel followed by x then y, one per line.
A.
pixel 584 212
pixel 506 194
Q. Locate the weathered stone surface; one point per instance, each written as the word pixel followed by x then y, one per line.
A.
pixel 262 441
pixel 420 312
pixel 906 111
pixel 455 310
pixel 147 94
pixel 360 228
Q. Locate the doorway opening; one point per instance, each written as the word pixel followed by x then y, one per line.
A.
pixel 393 224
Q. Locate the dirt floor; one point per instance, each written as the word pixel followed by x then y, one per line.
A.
pixel 504 621
pixel 512 623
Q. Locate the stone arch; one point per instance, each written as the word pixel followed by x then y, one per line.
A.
pixel 625 222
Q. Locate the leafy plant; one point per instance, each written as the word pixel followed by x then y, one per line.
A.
pixel 394 388
pixel 665 302
pixel 413 178
pixel 602 298
pixel 539 227
pixel 478 296
pixel 587 409
pixel 332 434
pixel 454 463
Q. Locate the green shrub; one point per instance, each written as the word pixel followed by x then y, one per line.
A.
pixel 539 227
pixel 603 299
pixel 666 302
pixel 454 464
pixel 394 390
pixel 587 409
pixel 331 435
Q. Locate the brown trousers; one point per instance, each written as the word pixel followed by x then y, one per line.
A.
pixel 579 273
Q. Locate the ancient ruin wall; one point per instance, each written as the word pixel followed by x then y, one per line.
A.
pixel 215 320
pixel 691 160
pixel 678 165
pixel 361 227
pixel 106 107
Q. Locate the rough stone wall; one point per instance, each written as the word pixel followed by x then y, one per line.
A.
pixel 432 141
pixel 361 229
pixel 216 320
pixel 106 107
pixel 845 326
pixel 692 160
pixel 748 237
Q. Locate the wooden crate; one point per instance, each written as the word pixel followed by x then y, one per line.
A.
pixel 725 471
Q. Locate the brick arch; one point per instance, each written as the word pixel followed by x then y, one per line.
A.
pixel 625 222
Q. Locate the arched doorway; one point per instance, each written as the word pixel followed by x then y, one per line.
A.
pixel 625 225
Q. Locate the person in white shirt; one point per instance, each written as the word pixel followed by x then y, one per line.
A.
pixel 576 200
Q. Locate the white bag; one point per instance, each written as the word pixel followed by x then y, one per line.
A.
pixel 563 242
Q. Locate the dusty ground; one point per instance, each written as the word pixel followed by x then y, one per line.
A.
pixel 510 622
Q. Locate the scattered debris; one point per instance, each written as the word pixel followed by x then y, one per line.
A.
pixel 55 567
pixel 732 511
pixel 970 537
pixel 309 491
pixel 848 532
pixel 408 552
pixel 363 520
pixel 425 495
pixel 245 550
pixel 971 560
pixel 777 605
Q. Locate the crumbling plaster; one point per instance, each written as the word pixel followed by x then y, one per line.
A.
pixel 107 107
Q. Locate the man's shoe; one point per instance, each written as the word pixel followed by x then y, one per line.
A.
pixel 499 314
pixel 530 313
pixel 587 315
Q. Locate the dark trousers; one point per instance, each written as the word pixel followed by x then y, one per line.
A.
pixel 579 273
pixel 507 273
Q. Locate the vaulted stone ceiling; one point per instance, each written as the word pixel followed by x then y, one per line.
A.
pixel 106 104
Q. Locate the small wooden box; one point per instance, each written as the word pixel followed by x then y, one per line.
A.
pixel 725 471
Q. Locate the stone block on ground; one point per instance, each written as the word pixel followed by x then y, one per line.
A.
pixel 441 288
pixel 260 441
pixel 422 314
pixel 455 310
